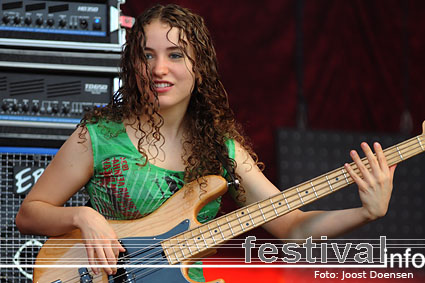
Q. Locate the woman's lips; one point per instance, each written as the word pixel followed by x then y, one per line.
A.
pixel 163 86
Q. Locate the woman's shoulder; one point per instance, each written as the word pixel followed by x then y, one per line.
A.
pixel 105 127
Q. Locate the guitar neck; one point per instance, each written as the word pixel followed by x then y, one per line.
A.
pixel 194 242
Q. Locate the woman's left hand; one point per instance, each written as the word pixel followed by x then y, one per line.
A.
pixel 375 185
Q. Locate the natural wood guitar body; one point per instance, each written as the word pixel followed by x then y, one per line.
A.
pixel 69 249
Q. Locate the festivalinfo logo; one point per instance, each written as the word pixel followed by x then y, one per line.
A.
pixel 335 255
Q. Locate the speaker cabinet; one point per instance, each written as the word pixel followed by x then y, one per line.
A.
pixel 304 155
pixel 20 168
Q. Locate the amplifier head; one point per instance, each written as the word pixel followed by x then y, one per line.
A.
pixel 83 25
pixel 46 105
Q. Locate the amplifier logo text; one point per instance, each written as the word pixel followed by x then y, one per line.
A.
pixel 25 178
pixel 88 9
pixel 96 88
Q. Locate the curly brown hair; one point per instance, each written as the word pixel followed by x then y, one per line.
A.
pixel 210 121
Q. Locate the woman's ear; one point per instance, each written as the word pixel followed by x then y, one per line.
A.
pixel 198 80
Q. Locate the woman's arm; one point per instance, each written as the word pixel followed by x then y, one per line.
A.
pixel 42 211
pixel 375 192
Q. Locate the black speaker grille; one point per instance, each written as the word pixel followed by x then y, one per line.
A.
pixel 26 87
pixel 304 155
pixel 64 89
pixel 3 83
pixel 14 247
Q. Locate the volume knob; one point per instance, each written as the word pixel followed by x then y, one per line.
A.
pixel 35 108
pixel 25 107
pixel 39 21
pixel 17 20
pixel 62 22
pixel 4 107
pixel 6 19
pixel 50 22
pixel 28 21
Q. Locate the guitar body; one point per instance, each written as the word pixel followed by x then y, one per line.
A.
pixel 176 215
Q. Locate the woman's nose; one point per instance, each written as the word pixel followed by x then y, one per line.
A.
pixel 160 67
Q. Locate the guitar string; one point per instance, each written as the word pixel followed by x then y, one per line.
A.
pixel 263 208
pixel 317 190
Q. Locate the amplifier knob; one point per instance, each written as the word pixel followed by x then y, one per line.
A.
pixel 6 19
pixel 28 20
pixel 65 110
pixel 55 109
pixel 50 22
pixel 83 23
pixel 15 107
pixel 62 22
pixel 35 108
pixel 4 107
pixel 25 107
pixel 39 21
pixel 17 20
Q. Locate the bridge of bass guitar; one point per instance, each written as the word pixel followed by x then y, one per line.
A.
pixel 142 262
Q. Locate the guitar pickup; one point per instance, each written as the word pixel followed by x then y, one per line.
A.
pixel 85 276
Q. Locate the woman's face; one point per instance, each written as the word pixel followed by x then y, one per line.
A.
pixel 171 70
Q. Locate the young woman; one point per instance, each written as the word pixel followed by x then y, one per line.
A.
pixel 170 123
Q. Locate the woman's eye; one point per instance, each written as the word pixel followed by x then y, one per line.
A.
pixel 176 55
pixel 148 56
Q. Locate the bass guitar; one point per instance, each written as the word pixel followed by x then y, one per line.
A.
pixel 171 236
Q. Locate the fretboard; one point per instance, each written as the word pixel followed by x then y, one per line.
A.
pixel 193 242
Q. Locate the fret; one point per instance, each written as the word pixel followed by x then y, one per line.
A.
pixel 178 244
pixel 274 208
pixel 212 236
pixel 167 253
pixel 420 143
pixel 240 222
pixel 249 214
pixel 287 203
pixel 175 254
pixel 262 213
pixel 221 232
pixel 314 190
pixel 231 230
pixel 196 244
pixel 206 244
pixel 329 183
pixel 301 198
pixel 188 244
pixel 200 238
pixel 399 153
pixel 345 176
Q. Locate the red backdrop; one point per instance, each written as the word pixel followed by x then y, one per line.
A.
pixel 359 64
pixel 359 60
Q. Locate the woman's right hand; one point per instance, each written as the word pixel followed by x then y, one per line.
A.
pixel 101 242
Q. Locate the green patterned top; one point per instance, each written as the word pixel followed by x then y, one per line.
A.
pixel 120 188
